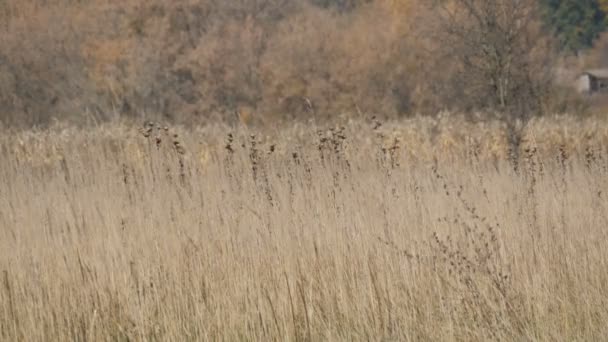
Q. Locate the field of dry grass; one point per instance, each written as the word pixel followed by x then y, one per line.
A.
pixel 412 230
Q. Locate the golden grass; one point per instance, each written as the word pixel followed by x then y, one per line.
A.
pixel 415 230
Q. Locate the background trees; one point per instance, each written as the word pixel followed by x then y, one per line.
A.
pixel 499 59
pixel 576 23
pixel 265 60
pixel 498 54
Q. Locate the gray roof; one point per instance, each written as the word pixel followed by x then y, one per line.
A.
pixel 597 73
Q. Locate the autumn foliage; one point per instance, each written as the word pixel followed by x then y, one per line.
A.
pixel 234 61
pixel 193 59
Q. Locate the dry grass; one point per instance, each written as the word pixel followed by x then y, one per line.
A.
pixel 417 230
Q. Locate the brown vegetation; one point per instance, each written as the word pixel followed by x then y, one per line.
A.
pixel 263 220
pixel 411 230
pixel 205 60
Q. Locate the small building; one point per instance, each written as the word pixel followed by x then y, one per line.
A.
pixel 593 81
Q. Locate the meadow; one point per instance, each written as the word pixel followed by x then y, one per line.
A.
pixel 409 230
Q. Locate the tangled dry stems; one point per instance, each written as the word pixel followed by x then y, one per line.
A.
pixel 411 230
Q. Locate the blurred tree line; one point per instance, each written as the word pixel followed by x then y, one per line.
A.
pixel 262 61
pixel 576 23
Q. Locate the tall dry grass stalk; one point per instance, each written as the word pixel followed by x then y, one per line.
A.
pixel 414 230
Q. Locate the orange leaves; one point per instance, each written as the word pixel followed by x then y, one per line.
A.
pixel 103 56
pixel 399 7
pixel 603 5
